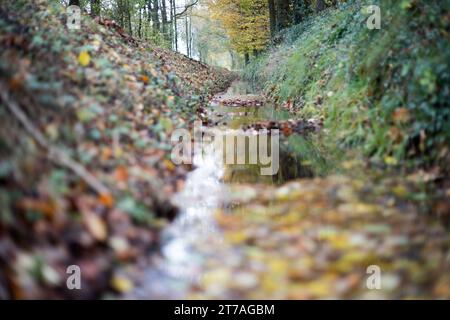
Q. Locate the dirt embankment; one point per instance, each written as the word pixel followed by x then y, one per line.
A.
pixel 85 170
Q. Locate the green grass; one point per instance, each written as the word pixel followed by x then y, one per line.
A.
pixel 359 80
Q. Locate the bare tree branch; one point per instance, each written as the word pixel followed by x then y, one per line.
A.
pixel 186 8
pixel 53 154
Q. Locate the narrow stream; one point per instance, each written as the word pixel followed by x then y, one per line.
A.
pixel 194 232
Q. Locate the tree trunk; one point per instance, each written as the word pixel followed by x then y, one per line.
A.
pixel 140 23
pixel 164 19
pixel 171 32
pixel 246 58
pixel 149 18
pixel 74 3
pixel 272 18
pixel 233 60
pixel 298 8
pixel 191 38
pixel 187 35
pixel 120 13
pixel 128 11
pixel 320 5
pixel 155 17
pixel 282 14
pixel 149 10
pixel 175 26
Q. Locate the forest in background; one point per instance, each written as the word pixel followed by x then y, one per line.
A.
pixel 205 29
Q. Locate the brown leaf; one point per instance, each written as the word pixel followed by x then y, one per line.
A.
pixel 44 206
pixel 106 199
pixel 144 79
pixel 121 174
pixel 401 115
pixel 94 224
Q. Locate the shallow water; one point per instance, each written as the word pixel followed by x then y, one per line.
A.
pixel 179 266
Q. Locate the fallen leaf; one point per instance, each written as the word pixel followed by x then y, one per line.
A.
pixel 169 165
pixel 390 161
pixel 106 199
pixel 46 207
pixel 401 115
pixel 121 284
pixel 144 79
pixel 121 174
pixel 96 226
pixel 84 58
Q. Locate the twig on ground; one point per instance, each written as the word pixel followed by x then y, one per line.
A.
pixel 54 154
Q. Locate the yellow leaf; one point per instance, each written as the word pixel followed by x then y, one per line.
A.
pixel 121 284
pixel 269 284
pixel 236 237
pixel 277 266
pixel 390 161
pixel 84 58
pixel 339 241
pixel 400 191
pixel 169 165
pixel 217 277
